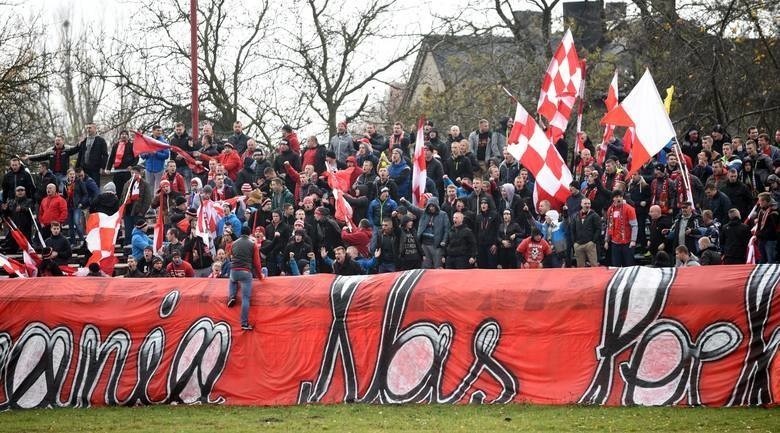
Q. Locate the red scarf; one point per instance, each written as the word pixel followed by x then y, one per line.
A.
pixel 120 153
pixel 682 193
pixel 663 199
pixel 57 160
pixel 616 224
pixel 395 142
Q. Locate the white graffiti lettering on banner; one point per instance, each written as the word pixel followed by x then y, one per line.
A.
pixel 666 361
pixel 34 367
pixel 410 362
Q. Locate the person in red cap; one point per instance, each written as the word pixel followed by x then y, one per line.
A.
pixel 356 172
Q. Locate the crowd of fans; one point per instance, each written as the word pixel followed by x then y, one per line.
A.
pixel 479 212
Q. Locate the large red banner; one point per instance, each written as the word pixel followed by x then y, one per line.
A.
pixel 695 336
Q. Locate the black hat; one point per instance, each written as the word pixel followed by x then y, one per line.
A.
pixel 229 144
pixel 149 247
pixel 330 154
pixel 141 223
pixel 659 166
pixel 156 259
pixel 574 184
pixel 175 253
pixel 180 200
pixel 192 212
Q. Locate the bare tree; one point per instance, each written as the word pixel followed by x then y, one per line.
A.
pixel 334 63
pixel 24 76
pixel 153 65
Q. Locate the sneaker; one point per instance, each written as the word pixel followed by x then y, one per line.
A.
pixel 247 327
pixel 231 302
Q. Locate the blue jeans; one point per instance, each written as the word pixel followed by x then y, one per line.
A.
pixel 768 251
pixel 76 224
pixel 243 278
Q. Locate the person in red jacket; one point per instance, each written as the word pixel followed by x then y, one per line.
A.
pixel 53 208
pixel 230 159
pixel 533 250
pixel 176 179
pixel 360 237
pixel 292 138
pixel 178 268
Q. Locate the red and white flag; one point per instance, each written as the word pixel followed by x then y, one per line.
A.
pixel 611 102
pixel 12 267
pixel 145 144
pixel 102 231
pixel 209 214
pixel 643 110
pixel 159 230
pixel 419 172
pixel 339 181
pixel 560 87
pixel 31 259
pixel 528 143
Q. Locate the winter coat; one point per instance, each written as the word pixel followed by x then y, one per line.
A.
pixel 437 219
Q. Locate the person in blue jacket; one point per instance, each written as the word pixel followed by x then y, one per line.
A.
pixel 140 239
pixel 154 162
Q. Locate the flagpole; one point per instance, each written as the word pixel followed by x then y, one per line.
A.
pixel 37 228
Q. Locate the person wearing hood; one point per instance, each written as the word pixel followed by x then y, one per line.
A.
pixel 487 233
pixel 691 142
pixel 432 229
pixel 410 253
pixel 140 240
pixel 511 202
pixel 509 236
pixel 400 172
pixel 554 232
pixel 193 199
pixel 106 202
pixel 359 202
pixel 486 144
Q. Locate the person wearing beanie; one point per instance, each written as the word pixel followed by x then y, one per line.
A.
pixel 107 201
pixel 140 240
pixel 158 270
pixel 298 248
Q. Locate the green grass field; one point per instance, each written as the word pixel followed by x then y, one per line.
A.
pixel 406 418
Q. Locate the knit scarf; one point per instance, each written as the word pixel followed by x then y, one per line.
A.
pixel 661 199
pixel 395 141
pixel 616 218
pixel 682 193
pixel 120 153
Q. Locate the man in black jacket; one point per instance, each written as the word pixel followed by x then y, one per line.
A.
pixel 58 158
pixel 93 153
pixel 734 239
pixel 461 252
pixel 121 159
pixel 61 251
pixel 585 232
pixel 15 178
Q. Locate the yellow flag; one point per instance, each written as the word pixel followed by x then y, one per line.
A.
pixel 668 99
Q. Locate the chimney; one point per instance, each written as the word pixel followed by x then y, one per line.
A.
pixel 585 18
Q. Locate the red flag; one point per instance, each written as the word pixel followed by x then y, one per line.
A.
pixel 102 231
pixel 580 142
pixel 144 144
pixel 159 226
pixel 611 102
pixel 419 173
pixel 31 259
pixel 12 267
pixel 560 87
pixel 643 110
pixel 528 143
pixel 339 181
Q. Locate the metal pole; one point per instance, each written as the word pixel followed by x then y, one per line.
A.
pixel 194 65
